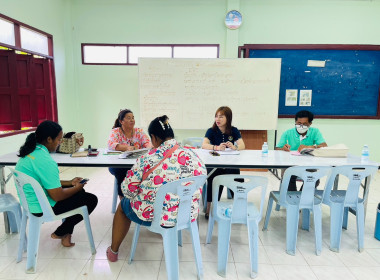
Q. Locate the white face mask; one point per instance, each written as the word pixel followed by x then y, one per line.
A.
pixel 301 129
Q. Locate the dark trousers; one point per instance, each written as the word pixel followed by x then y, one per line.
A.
pixel 79 199
pixel 218 171
pixel 120 174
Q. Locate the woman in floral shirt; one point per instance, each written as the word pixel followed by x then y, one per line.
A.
pixel 165 163
pixel 126 137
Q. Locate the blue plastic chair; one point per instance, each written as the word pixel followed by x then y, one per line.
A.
pixel 243 212
pixel 341 200
pixel 185 189
pixel 32 243
pixel 114 197
pixel 294 201
pixel 10 205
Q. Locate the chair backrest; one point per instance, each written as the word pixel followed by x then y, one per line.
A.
pixel 309 175
pixel 355 174
pixel 241 190
pixel 193 141
pixel 21 180
pixel 184 188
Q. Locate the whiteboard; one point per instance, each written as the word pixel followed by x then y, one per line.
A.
pixel 189 91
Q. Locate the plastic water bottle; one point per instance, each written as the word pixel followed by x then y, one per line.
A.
pixel 264 150
pixel 365 153
pixel 227 212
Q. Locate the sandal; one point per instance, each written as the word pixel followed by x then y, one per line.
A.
pixel 111 255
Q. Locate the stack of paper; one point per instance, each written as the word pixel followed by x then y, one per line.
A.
pixel 112 152
pixel 134 153
pixel 339 150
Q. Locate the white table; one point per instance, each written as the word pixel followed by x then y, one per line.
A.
pixel 246 159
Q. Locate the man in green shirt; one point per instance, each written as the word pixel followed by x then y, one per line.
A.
pixel 300 137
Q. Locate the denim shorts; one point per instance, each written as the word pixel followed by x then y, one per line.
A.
pixel 128 211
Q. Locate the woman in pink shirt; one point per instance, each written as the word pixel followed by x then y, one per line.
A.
pixel 126 137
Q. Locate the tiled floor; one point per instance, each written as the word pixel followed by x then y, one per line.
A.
pixel 56 262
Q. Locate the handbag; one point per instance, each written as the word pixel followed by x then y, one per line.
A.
pixel 71 143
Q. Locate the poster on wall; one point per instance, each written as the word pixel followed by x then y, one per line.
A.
pixel 291 97
pixel 305 97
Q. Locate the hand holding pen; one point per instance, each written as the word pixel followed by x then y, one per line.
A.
pixel 286 146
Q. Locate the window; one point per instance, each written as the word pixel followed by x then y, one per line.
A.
pixel 27 82
pixel 154 51
pixel 7 34
pixel 196 52
pixel 34 41
pixel 103 54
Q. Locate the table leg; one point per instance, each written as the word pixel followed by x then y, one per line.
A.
pixel 2 190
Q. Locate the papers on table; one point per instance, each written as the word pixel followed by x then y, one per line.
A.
pixel 228 151
pixel 134 153
pixel 80 154
pixel 336 151
pixel 111 152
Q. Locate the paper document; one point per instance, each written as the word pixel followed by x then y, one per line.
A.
pixel 134 153
pixel 111 152
pixel 80 154
pixel 339 150
pixel 228 151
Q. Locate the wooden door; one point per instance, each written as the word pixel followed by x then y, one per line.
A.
pixel 9 110
pixel 253 140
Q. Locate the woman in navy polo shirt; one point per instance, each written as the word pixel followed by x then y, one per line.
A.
pixel 220 136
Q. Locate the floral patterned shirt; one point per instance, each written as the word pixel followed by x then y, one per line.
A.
pixel 180 164
pixel 139 139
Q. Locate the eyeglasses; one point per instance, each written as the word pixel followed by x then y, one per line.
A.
pixel 302 125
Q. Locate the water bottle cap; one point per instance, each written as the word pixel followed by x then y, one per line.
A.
pixel 265 143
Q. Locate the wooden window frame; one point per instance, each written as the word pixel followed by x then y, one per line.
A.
pixel 17 47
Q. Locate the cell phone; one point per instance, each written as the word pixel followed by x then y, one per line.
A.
pixel 213 153
pixel 93 153
pixel 84 181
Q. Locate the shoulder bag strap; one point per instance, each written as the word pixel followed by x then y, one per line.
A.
pixel 168 154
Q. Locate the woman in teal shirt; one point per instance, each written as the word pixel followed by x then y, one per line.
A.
pixel 63 196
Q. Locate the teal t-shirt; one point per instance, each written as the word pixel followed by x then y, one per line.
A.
pixel 292 137
pixel 41 166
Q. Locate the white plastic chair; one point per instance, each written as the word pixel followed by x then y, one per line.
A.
pixel 304 200
pixel 114 197
pixel 243 212
pixel 35 222
pixel 185 189
pixel 10 205
pixel 340 200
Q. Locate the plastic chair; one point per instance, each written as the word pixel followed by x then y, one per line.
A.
pixel 243 212
pixel 10 205
pixel 185 189
pixel 340 201
pixel 31 244
pixel 114 197
pixel 294 201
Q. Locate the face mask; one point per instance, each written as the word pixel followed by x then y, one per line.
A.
pixel 301 129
